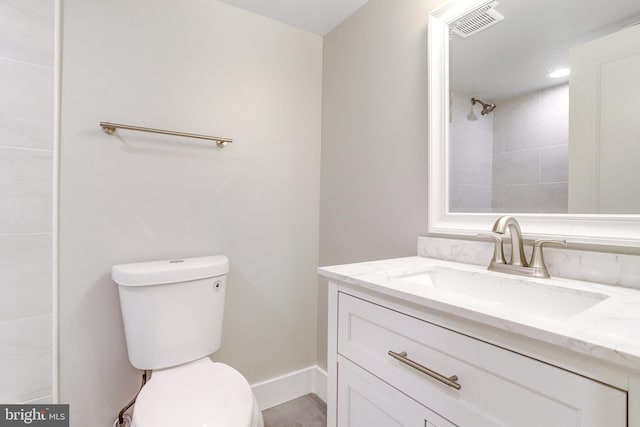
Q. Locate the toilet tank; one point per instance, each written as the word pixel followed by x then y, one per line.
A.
pixel 172 310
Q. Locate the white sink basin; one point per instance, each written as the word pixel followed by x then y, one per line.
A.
pixel 535 296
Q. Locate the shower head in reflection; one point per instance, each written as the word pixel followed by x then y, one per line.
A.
pixel 487 107
pixel 472 115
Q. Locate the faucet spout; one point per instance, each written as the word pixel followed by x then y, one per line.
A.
pixel 517 245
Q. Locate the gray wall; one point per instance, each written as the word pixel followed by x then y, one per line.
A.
pixel 204 67
pixel 26 183
pixel 374 137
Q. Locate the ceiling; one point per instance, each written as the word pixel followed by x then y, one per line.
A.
pixel 515 55
pixel 316 16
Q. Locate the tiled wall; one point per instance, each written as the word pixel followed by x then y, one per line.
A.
pixel 470 162
pixel 513 160
pixel 530 161
pixel 26 181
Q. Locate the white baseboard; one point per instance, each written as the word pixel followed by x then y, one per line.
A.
pixel 290 386
pixel 39 401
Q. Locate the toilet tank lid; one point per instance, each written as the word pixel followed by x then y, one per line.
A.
pixel 170 271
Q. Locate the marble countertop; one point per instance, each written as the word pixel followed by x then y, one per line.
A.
pixel 609 329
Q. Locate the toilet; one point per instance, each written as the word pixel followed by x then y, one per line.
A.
pixel 172 313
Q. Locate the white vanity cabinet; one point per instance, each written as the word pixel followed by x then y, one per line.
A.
pixel 367 401
pixel 497 386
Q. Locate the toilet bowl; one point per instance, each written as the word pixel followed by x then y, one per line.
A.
pixel 172 313
pixel 200 393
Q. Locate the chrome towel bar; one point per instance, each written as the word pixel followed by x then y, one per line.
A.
pixel 110 128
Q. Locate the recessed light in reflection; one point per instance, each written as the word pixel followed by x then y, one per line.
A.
pixel 560 72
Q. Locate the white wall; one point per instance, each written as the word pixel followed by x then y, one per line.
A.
pixel 26 182
pixel 206 67
pixel 374 137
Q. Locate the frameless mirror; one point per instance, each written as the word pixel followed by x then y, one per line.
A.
pixel 533 107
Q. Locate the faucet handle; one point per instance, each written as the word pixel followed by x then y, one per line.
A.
pixel 537 259
pixel 498 251
pixel 541 242
pixel 537 248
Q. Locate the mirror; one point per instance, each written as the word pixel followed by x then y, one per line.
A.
pixel 533 110
pixel 512 100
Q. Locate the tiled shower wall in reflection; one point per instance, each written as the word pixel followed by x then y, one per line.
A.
pixel 471 157
pixel 26 181
pixel 514 159
pixel 530 152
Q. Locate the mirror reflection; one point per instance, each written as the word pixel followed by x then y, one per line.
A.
pixel 545 108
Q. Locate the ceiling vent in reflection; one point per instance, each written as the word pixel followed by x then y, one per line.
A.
pixel 477 20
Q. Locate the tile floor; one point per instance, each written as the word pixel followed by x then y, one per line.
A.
pixel 305 411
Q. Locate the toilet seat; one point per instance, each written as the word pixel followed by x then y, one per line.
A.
pixel 197 394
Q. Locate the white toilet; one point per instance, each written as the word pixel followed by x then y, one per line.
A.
pixel 172 312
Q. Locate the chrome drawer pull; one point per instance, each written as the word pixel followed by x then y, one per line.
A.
pixel 450 381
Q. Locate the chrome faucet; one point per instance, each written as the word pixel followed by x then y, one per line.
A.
pixel 518 263
pixel 517 245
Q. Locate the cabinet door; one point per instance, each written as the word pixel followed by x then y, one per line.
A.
pixel 603 154
pixel 365 401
